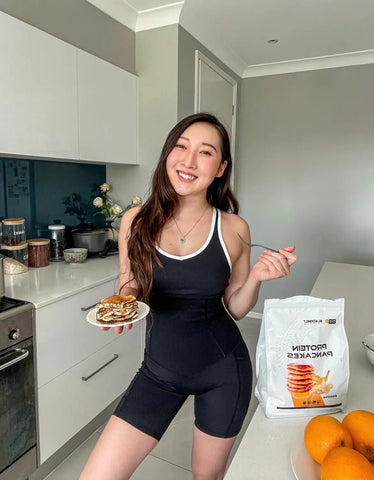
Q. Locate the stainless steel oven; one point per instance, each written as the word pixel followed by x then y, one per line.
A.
pixel 18 439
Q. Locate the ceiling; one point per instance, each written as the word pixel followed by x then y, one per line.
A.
pixel 309 34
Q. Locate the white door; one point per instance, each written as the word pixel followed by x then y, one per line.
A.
pixel 216 92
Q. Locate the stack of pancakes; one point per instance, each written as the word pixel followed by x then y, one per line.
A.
pixel 300 378
pixel 117 308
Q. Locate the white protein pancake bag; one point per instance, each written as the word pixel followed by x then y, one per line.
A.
pixel 302 360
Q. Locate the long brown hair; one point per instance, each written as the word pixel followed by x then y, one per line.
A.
pixel 163 200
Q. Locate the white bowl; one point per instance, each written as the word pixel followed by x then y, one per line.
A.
pixel 75 255
pixel 368 343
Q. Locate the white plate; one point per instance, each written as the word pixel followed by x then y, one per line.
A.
pixel 303 465
pixel 143 310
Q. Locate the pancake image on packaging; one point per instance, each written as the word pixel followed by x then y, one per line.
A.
pixel 117 308
pixel 300 382
pixel 300 377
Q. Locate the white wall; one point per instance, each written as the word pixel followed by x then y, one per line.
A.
pixel 305 169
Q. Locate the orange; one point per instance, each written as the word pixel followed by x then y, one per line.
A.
pixel 322 434
pixel 343 463
pixel 360 424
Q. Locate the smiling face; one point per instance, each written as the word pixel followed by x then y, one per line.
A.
pixel 196 159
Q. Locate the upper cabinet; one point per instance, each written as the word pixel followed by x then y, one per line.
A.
pixel 107 111
pixel 57 101
pixel 38 93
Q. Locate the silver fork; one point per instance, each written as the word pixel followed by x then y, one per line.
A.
pixel 256 244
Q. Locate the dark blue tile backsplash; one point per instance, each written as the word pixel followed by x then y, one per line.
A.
pixel 38 191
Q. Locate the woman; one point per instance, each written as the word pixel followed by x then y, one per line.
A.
pixel 181 253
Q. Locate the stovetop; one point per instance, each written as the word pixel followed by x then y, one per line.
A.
pixel 6 303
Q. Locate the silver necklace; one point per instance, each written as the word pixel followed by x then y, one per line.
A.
pixel 183 236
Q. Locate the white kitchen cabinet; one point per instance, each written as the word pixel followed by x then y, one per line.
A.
pixel 64 337
pixel 68 403
pixel 107 111
pixel 59 102
pixel 69 348
pixel 38 93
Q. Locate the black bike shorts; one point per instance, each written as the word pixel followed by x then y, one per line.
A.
pixel 222 394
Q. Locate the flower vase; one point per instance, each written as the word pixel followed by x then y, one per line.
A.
pixel 112 232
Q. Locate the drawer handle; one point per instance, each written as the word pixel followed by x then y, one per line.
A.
pixel 84 309
pixel 115 356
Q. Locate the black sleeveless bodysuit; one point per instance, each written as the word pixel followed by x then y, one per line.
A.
pixel 193 346
pixel 190 327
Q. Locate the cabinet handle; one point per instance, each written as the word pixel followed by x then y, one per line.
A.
pixel 115 356
pixel 84 309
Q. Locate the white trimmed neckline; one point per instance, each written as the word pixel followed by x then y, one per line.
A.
pixel 193 254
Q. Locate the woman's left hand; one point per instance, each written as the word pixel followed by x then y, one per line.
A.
pixel 272 265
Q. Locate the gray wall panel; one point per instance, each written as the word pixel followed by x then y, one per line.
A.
pixel 187 45
pixel 306 171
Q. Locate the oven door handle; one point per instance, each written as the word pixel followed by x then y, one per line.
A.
pixel 21 354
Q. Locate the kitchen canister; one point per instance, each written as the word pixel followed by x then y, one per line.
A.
pixel 58 242
pixel 19 257
pixel 14 232
pixel 39 254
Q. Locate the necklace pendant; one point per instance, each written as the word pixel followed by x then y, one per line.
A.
pixel 183 239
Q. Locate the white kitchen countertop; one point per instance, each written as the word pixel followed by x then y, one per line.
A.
pixel 59 280
pixel 264 452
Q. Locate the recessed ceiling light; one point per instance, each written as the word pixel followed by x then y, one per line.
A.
pixel 273 41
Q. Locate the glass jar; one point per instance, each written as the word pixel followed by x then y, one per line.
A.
pixel 38 249
pixel 14 231
pixel 19 252
pixel 58 242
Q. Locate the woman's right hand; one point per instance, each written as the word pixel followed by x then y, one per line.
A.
pixel 118 329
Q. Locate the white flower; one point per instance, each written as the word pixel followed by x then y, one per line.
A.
pixel 136 200
pixel 111 210
pixel 98 202
pixel 105 187
pixel 116 209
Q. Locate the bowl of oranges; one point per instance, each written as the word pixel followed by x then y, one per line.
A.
pixel 341 449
